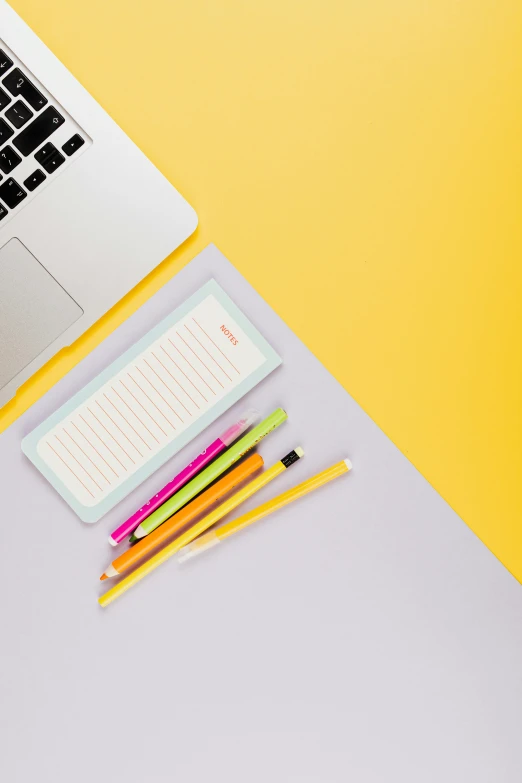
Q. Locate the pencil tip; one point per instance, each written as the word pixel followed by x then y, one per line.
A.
pixel 132 539
pixel 102 577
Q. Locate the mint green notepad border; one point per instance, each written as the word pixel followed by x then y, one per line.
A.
pixel 94 513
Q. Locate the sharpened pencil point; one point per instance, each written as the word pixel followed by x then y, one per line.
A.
pixel 102 577
pixel 133 539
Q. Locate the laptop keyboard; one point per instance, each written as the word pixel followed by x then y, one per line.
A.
pixel 37 136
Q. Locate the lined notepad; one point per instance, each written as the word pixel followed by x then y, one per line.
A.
pixel 151 402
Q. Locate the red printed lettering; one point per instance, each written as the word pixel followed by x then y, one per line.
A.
pixel 229 334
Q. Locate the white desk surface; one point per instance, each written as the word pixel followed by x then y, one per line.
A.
pixel 364 634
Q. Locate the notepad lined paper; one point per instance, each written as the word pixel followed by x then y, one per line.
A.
pixel 176 384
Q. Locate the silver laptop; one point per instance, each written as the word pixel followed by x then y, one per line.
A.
pixel 84 216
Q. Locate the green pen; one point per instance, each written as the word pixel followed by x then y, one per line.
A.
pixel 210 474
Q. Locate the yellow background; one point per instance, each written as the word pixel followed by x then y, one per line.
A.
pixel 361 164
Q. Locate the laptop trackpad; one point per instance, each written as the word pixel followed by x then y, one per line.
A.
pixel 34 309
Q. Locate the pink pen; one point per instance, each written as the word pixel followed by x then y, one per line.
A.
pixel 206 456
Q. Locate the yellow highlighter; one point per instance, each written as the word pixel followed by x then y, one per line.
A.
pixel 214 537
pixel 201 526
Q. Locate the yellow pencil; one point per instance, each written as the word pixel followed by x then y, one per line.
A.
pixel 214 537
pixel 200 527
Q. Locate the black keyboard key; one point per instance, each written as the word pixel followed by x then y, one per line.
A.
pixel 52 163
pixel 19 114
pixel 47 151
pixel 18 84
pixel 36 178
pixel 49 157
pixel 12 193
pixel 74 143
pixel 3 212
pixel 38 130
pixel 9 160
pixel 5 63
pixel 5 100
pixel 5 131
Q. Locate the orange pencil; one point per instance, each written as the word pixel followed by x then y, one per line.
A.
pixel 179 521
